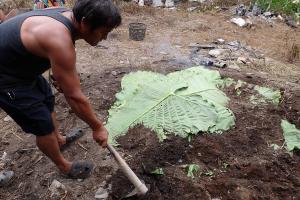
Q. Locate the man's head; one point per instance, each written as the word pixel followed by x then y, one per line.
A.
pixel 98 16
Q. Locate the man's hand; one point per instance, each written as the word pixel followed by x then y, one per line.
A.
pixel 101 136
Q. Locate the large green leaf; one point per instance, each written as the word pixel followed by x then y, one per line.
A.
pixel 184 102
pixel 291 135
pixel 270 94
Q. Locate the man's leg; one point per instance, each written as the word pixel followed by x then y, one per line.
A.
pixel 61 139
pixel 48 144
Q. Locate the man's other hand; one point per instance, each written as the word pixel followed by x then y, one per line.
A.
pixel 101 136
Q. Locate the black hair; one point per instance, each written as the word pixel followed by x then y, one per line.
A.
pixel 97 13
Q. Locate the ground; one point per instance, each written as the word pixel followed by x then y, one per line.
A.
pixel 239 164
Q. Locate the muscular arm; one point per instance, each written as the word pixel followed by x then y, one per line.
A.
pixel 62 56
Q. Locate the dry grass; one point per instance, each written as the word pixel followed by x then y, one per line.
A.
pixel 133 9
pixel 8 5
pixel 293 53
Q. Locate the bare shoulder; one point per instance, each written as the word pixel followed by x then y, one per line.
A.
pixel 41 33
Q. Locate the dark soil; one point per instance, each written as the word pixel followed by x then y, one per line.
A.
pixel 241 161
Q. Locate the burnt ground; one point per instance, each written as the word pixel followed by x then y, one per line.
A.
pixel 238 164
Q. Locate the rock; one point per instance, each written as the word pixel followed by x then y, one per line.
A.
pixel 241 10
pixel 141 3
pixel 3 159
pixel 114 73
pixel 198 46
pixel 291 22
pixel 268 14
pixel 5 177
pixel 101 193
pixel 234 66
pixel 163 53
pixel 220 64
pixel 199 1
pixel 256 10
pixel 216 52
pixel 191 9
pixel 239 21
pixel 199 60
pixel 220 41
pixel 280 17
pixel 157 3
pixel 249 22
pixel 169 3
pixel 7 118
pixel 242 60
pixel 234 43
pixel 57 188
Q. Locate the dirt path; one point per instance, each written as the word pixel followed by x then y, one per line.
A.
pixel 253 170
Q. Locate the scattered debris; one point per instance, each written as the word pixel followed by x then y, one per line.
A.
pixel 199 1
pixel 3 160
pixel 241 10
pixel 5 177
pixel 291 22
pixel 220 64
pixel 242 60
pixel 57 189
pixel 157 3
pixel 239 21
pixel 114 73
pixel 157 171
pixel 7 119
pixel 191 169
pixel 191 9
pixel 256 10
pixel 102 192
pixel 169 4
pixel 216 52
pixel 268 14
pixel 220 41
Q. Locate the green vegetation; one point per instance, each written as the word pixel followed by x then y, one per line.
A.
pixel 289 7
pixel 271 95
pixel 191 169
pixel 291 135
pixel 158 171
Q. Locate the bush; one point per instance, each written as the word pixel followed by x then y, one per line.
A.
pixel 290 7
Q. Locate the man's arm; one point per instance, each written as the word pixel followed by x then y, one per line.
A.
pixel 61 53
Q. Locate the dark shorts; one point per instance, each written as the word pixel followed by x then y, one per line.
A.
pixel 30 106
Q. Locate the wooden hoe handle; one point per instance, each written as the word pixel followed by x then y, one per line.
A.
pixel 139 186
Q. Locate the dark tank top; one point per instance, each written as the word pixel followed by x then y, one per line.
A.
pixel 17 65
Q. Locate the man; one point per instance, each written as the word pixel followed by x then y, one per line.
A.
pixel 26 51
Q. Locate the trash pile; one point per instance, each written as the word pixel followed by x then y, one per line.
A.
pixel 246 16
pixel 223 54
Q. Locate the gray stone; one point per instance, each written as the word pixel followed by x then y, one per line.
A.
pixel 241 10
pixel 234 43
pixel 114 73
pixel 268 14
pixel 292 23
pixel 220 41
pixel 57 188
pixel 101 194
pixel 7 119
pixel 239 21
pixel 191 9
pixel 216 52
pixel 256 10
